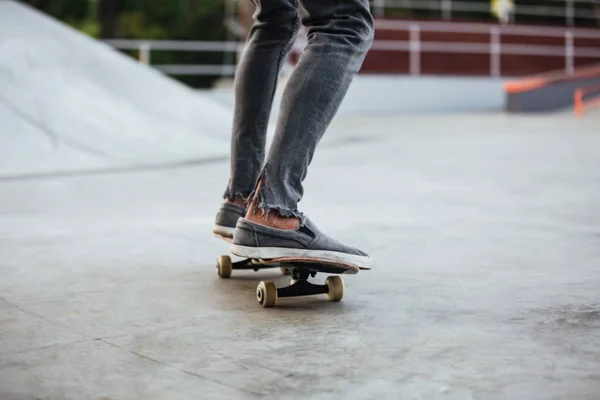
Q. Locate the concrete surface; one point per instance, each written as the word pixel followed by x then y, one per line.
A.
pixel 484 228
pixel 486 233
pixel 82 105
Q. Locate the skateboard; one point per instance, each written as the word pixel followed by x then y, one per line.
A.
pixel 300 269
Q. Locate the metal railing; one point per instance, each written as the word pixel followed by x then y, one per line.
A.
pixel 144 48
pixel 415 46
pixel 568 9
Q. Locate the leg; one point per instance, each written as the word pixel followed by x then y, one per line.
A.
pixel 340 33
pixel 271 37
pixel 276 24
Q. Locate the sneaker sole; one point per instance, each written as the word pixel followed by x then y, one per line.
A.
pixel 279 252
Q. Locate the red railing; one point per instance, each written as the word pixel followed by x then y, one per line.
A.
pixel 448 48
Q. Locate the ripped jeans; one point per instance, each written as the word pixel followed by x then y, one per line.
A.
pixel 340 33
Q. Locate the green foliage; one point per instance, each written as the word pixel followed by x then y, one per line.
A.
pixel 176 20
pixel 152 19
pixel 88 26
pixel 74 10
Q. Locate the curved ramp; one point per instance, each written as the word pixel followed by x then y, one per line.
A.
pixel 71 103
pixel 548 92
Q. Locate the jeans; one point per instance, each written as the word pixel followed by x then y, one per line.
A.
pixel 340 33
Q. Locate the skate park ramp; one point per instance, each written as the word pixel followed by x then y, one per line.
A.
pixel 70 104
pixel 549 91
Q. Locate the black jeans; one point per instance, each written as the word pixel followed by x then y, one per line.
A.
pixel 340 33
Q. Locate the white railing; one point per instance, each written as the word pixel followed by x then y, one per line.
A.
pixel 415 45
pixel 144 47
pixel 563 8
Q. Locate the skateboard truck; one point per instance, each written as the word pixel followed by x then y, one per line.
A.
pixel 267 293
pixel 301 269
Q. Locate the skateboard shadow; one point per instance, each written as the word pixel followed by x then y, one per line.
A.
pixel 241 290
pixel 309 303
pixel 257 277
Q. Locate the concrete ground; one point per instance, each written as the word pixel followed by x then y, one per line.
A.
pixel 484 229
pixel 486 234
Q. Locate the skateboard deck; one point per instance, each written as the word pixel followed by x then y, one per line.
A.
pixel 300 268
pixel 314 264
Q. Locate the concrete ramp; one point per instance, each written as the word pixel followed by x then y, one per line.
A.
pixel 549 92
pixel 71 103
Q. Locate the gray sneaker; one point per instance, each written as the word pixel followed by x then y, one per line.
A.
pixel 227 217
pixel 252 240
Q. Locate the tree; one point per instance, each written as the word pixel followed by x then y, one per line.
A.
pixel 108 14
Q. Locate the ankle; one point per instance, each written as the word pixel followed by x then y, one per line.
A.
pixel 272 219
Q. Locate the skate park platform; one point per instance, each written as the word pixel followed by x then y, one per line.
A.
pixel 483 225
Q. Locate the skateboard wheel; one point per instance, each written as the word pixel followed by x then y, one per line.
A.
pixel 224 266
pixel 335 286
pixel 285 271
pixel 266 294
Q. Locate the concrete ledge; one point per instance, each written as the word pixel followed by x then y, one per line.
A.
pixel 548 92
pixel 380 94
